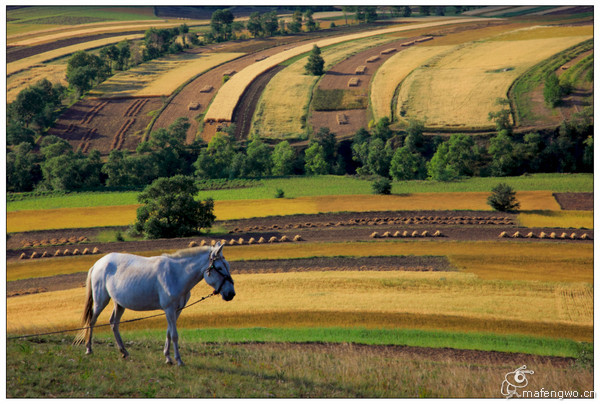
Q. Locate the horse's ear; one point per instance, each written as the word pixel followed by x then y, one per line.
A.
pixel 217 250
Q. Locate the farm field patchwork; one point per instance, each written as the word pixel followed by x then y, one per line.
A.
pixel 123 215
pixel 160 77
pixel 459 88
pixel 285 100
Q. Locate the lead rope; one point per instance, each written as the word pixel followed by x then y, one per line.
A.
pixel 106 325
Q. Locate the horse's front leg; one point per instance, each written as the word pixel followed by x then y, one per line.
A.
pixel 115 319
pixel 172 315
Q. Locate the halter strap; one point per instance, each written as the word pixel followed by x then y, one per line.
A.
pixel 226 277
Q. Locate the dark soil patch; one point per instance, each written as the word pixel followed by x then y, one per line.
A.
pixel 575 200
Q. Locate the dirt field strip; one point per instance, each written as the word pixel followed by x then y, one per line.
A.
pixel 239 209
pixel 460 88
pixel 224 103
pixel 22 64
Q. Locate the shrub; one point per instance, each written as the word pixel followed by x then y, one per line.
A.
pixel 279 193
pixel 503 198
pixel 382 186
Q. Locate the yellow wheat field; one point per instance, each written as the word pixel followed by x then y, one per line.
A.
pixel 160 77
pixel 224 103
pixel 391 299
pixel 284 100
pixel 17 82
pixel 123 215
pixel 460 88
pixel 393 71
pixel 577 219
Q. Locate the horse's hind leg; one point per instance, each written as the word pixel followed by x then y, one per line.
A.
pixel 115 319
pixel 99 305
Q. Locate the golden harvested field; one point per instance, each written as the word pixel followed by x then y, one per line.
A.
pixel 17 82
pixel 27 63
pixel 393 71
pixel 225 101
pixel 240 209
pixel 448 300
pixel 459 88
pixel 160 77
pixel 284 101
pixel 545 32
pixel 545 262
pixel 570 218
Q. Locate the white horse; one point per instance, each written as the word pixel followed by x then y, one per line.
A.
pixel 163 282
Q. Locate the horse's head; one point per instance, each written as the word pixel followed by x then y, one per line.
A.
pixel 217 275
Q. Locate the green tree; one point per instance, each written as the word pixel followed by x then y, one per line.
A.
pixel 315 64
pixel 254 24
pixel 221 25
pixel 169 209
pixel 382 186
pixel 270 23
pixel 215 160
pixel 454 158
pixel 295 25
pixel 309 21
pixel 314 160
pixel 258 158
pixel 503 198
pixel 283 157
pixel 407 165
pixel 21 168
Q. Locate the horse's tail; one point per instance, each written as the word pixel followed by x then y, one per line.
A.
pixel 88 310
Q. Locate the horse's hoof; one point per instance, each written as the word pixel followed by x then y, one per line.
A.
pixel 88 352
pixel 169 361
pixel 180 363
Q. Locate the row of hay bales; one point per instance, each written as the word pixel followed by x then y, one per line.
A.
pixel 251 240
pixel 59 253
pixel 55 241
pixel 407 233
pixel 552 235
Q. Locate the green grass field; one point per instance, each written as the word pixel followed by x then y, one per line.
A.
pixel 295 187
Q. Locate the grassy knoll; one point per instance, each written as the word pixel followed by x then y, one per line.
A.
pixel 55 368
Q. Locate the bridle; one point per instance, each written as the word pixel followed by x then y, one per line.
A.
pixel 226 276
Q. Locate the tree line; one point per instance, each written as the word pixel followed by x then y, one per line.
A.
pixel 375 152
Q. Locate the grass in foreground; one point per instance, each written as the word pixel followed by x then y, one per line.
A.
pixel 52 367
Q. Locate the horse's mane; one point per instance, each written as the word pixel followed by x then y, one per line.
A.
pixel 187 252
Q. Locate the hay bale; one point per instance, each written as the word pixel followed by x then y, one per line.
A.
pixel 563 235
pixel 284 239
pixel 45 254
pixel 192 244
pixel 273 239
pixel 83 239
pixel 374 235
pixel 503 234
pixel 76 252
pixel 425 234
pixel 34 255
pixel 223 241
pixel 437 234
pixel 387 234
pixel 360 69
pixel 297 237
pixel 251 241
pixel 372 59
pixel 193 106
pixel 530 235
pixel 202 243
pixel 261 240
pixel 232 242
pixel 85 251
pixel 553 235
pixel 398 234
pixel 542 235
pixel 517 235
pixel 585 236
pixel 353 82
pixel 240 241
pixel 57 253
pixel 415 234
pixel 213 243
pixel 206 89
pixel 405 233
pixel 96 250
pixel 573 236
pixel 67 252
pixel 342 119
pixel 22 256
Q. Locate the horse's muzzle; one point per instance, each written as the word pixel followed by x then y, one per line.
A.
pixel 228 296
